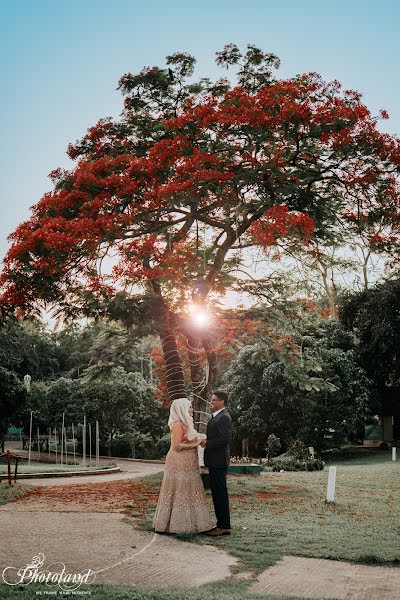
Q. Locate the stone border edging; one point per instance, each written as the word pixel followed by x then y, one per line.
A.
pixel 110 458
pixel 141 460
pixel 67 474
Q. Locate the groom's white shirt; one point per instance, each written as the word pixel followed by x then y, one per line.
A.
pixel 217 411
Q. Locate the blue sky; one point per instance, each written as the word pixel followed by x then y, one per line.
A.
pixel 61 60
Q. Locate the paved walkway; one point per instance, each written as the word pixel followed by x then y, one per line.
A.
pixel 116 551
pixel 129 470
pixel 82 525
pixel 318 578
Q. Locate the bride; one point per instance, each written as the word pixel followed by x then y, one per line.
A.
pixel 182 505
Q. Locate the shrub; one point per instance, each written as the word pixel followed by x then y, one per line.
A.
pixel 298 450
pixel 293 464
pixel 163 444
pixel 273 446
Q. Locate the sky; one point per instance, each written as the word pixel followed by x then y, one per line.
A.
pixel 61 61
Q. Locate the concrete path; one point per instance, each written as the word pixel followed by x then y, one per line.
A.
pixel 129 470
pixel 318 578
pixel 116 551
pixel 82 523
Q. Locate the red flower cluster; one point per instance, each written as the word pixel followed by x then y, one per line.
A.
pixel 279 223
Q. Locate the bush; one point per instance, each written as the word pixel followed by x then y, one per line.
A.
pixel 163 444
pixel 293 464
pixel 148 453
pixel 273 446
pixel 121 447
pixel 298 450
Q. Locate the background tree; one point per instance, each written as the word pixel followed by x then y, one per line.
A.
pixel 374 318
pixel 309 386
pixel 122 402
pixel 255 162
pixel 12 397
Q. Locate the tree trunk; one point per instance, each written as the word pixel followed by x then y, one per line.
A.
pixel 245 447
pixel 175 379
pixel 199 386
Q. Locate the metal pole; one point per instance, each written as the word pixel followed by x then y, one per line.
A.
pixel 73 442
pixel 84 441
pixel 30 440
pixel 55 441
pixel 9 465
pixel 62 439
pixel 65 445
pixel 97 444
pixel 49 441
pixel 90 444
pixel 38 444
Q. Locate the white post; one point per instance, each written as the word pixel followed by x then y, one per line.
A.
pixel 62 440
pixel 30 440
pixel 55 441
pixel 394 453
pixel 38 443
pixel 330 494
pixel 49 441
pixel 73 442
pixel 84 441
pixel 90 444
pixel 65 445
pixel 97 444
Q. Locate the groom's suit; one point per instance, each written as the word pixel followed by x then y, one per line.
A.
pixel 216 458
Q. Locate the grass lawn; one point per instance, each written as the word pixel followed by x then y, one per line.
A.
pixel 280 514
pixel 10 492
pixel 48 467
pixel 216 591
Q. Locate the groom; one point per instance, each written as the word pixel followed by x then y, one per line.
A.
pixel 216 458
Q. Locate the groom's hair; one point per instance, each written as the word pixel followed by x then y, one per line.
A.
pixel 221 395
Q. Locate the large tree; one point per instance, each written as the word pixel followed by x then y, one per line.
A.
pixel 374 317
pixel 168 196
pixel 309 386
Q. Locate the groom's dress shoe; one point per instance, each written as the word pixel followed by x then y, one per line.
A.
pixel 218 531
pixel 208 530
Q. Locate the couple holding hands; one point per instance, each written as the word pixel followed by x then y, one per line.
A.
pixel 182 504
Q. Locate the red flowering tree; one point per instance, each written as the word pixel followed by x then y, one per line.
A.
pixel 164 198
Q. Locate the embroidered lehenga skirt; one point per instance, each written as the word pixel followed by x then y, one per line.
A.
pixel 182 505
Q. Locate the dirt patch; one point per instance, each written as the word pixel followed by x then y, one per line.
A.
pixel 113 496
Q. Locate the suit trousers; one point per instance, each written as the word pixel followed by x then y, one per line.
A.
pixel 220 498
